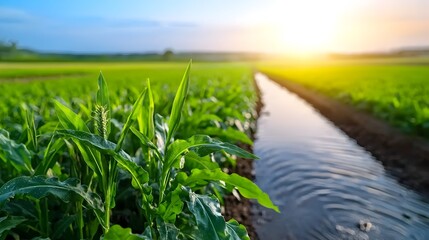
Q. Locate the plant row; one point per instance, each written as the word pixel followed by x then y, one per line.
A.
pixel 132 165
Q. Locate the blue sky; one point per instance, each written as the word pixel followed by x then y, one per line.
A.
pixel 101 26
pixel 190 25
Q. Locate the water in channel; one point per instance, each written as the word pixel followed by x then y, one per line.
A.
pixel 326 186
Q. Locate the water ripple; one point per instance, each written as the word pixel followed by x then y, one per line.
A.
pixel 324 183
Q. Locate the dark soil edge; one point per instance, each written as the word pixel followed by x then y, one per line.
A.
pixel 406 157
pixel 241 210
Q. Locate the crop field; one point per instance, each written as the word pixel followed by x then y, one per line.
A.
pixel 394 91
pixel 35 85
pixel 116 155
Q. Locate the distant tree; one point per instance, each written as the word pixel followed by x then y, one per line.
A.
pixel 13 46
pixel 167 55
pixel 3 47
pixel 8 47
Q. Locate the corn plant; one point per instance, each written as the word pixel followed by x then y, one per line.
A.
pixel 166 177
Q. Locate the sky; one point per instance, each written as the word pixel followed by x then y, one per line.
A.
pixel 276 26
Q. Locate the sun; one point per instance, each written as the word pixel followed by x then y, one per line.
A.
pixel 306 34
pixel 309 26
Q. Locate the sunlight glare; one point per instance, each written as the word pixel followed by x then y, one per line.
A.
pixel 310 26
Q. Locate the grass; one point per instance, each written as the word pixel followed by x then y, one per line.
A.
pixel 132 159
pixel 394 91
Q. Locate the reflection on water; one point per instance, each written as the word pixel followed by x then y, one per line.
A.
pixel 327 187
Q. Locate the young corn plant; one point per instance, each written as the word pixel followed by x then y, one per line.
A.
pixel 32 192
pixel 169 176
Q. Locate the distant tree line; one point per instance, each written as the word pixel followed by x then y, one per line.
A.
pixel 168 55
pixel 8 47
pixel 11 52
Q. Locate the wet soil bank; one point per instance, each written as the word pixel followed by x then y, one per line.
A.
pixel 241 210
pixel 406 157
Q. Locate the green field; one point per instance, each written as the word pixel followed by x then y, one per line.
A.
pixel 36 84
pixel 396 91
pixel 84 158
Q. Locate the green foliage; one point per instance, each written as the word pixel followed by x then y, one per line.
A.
pixel 17 155
pixel 131 118
pixel 117 232
pixel 94 141
pixel 92 178
pixel 210 223
pixel 39 187
pixel 178 103
pixel 146 118
pixel 8 223
pixel 246 187
pixel 68 118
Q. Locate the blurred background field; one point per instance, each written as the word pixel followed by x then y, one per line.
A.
pixel 395 90
pixel 34 85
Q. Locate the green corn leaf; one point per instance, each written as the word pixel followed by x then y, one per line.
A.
pixel 48 158
pixel 167 231
pixel 171 207
pixel 210 222
pixel 19 207
pixel 146 118
pixel 199 117
pixel 62 225
pixel 4 133
pixel 178 103
pixel 8 223
pixel 202 145
pixel 95 141
pixel 236 230
pixel 117 232
pixel 68 118
pixel 147 234
pixel 131 118
pixel 39 187
pixel 193 161
pixel 31 130
pixel 174 152
pixel 72 121
pixel 92 228
pixel 103 99
pixel 229 134
pixel 161 130
pixel 85 111
pixel 246 187
pixel 92 158
pixel 139 175
pixel 144 140
pixel 15 154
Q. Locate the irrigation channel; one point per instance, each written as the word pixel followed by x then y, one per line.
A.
pixel 327 186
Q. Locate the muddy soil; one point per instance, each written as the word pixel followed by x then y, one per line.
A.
pixel 241 210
